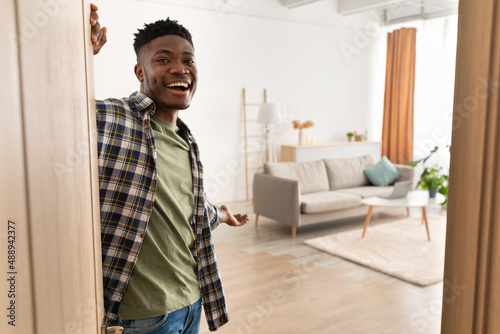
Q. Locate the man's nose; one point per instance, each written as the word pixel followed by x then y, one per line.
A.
pixel 179 68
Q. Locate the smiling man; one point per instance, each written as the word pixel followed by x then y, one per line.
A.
pixel 159 265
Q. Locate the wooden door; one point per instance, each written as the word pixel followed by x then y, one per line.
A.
pixel 49 187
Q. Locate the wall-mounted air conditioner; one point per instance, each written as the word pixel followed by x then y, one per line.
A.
pixel 348 7
pixel 296 3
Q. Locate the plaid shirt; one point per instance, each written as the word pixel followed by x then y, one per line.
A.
pixel 127 184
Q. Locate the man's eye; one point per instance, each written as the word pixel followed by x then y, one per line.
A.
pixel 189 61
pixel 163 60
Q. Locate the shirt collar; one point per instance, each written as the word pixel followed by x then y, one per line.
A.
pixel 142 102
pixel 183 127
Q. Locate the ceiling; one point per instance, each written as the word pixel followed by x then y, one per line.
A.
pixel 389 11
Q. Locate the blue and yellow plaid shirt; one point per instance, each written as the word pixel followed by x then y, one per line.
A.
pixel 127 184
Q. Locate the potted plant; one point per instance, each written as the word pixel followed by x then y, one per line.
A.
pixel 350 136
pixel 431 179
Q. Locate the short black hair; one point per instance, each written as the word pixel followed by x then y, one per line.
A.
pixel 158 29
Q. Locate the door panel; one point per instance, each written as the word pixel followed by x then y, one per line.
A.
pixel 13 195
pixel 51 148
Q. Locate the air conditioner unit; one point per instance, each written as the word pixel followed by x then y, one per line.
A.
pixel 296 3
pixel 348 7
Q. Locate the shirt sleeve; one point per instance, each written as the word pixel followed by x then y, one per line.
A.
pixel 212 214
pixel 100 109
pixel 99 105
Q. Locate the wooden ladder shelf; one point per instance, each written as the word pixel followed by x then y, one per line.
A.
pixel 248 153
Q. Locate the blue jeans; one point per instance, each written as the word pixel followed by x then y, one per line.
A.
pixel 183 321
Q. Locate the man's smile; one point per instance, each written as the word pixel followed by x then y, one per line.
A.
pixel 178 87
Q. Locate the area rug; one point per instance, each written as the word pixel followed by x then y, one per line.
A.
pixel 399 249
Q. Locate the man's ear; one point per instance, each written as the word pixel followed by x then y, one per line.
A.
pixel 139 72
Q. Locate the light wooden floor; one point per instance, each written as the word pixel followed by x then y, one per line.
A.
pixel 275 284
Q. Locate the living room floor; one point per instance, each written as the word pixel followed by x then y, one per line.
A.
pixel 276 284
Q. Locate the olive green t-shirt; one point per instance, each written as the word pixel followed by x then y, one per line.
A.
pixel 165 276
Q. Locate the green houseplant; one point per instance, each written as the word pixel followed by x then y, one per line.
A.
pixel 350 136
pixel 433 181
pixel 431 178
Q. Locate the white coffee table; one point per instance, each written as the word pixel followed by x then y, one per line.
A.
pixel 415 199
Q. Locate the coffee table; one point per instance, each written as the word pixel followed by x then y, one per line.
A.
pixel 415 199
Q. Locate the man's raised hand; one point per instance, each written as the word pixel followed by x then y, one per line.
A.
pixel 98 34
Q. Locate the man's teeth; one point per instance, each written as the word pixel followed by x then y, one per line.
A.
pixel 178 84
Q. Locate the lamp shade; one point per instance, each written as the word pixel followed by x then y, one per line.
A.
pixel 270 113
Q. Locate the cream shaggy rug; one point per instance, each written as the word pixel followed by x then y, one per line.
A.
pixel 400 249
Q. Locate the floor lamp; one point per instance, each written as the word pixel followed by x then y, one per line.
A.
pixel 269 114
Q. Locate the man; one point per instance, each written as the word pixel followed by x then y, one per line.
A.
pixel 158 258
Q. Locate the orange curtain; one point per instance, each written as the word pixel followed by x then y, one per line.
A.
pixel 397 130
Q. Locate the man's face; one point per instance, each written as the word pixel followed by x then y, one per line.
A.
pixel 167 71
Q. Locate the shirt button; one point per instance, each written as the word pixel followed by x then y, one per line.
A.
pixel 141 235
pixel 131 263
pixel 146 122
pixel 148 207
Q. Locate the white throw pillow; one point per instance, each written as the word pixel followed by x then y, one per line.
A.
pixel 347 173
pixel 311 175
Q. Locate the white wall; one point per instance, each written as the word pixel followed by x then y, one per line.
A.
pixel 295 54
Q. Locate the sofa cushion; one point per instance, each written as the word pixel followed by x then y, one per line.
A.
pixel 328 201
pixel 368 191
pixel 310 175
pixel 382 173
pixel 346 173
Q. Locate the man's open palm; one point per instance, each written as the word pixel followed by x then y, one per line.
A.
pixel 233 220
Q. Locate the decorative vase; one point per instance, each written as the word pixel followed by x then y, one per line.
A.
pixel 301 137
pixel 432 192
pixel 349 138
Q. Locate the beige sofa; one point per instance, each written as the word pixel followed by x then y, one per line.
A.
pixel 303 193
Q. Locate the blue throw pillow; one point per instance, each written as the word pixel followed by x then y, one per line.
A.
pixel 382 173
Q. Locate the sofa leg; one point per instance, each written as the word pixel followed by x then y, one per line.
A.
pixel 256 219
pixel 294 232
